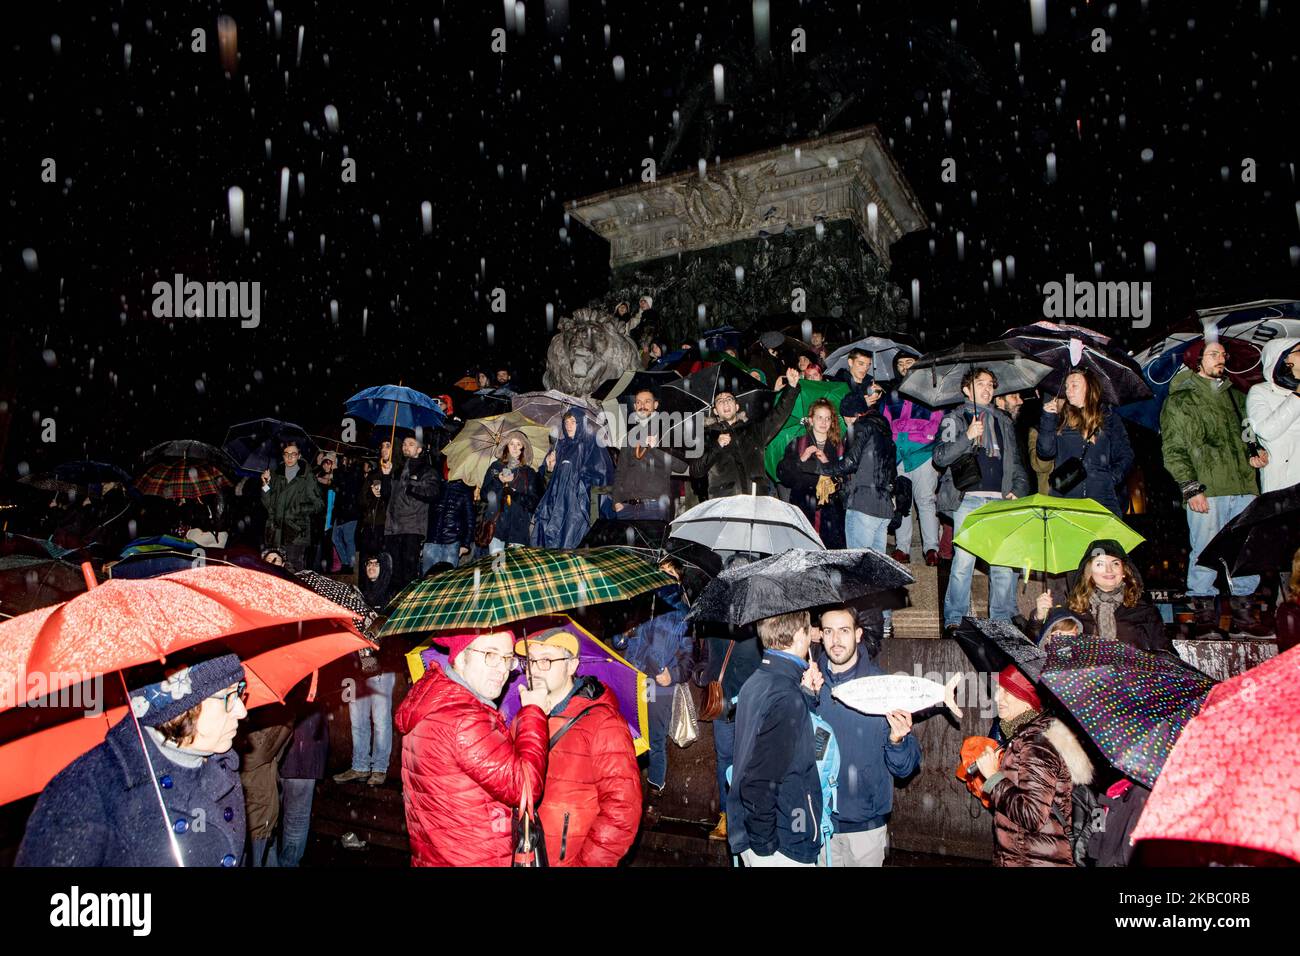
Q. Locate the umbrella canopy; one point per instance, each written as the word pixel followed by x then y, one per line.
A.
pixel 691 399
pixel 699 564
pixel 992 645
pixel 795 581
pixel 756 523
pixel 49 481
pixel 255 446
pixel 1041 533
pixel 280 630
pixel 809 392
pixel 517 584
pixel 883 352
pixel 1233 777
pixel 935 379
pixel 28 582
pixel 90 473
pixel 395 406
pixel 187 449
pixel 1131 703
pixel 342 448
pixel 181 479
pixel 548 408
pixel 1261 538
pixel 476 404
pixel 347 596
pixel 617 395
pixel 595 659
pixel 481 441
pixel 1070 348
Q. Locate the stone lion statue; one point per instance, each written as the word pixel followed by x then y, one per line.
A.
pixel 589 347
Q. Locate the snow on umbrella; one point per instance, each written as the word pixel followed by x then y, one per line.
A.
pixel 1233 777
pixel 256 446
pixel 795 581
pixel 935 379
pixel 992 645
pixel 347 596
pixel 882 351
pixel 1131 703
pixel 1070 348
pixel 395 406
pixel 181 479
pixel 755 523
pixel 482 440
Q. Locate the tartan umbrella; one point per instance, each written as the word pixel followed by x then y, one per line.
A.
pixel 1132 704
pixel 481 441
pixel 809 392
pixel 520 583
pixel 181 479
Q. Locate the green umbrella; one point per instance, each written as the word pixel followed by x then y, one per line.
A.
pixel 520 583
pixel 809 392
pixel 1041 533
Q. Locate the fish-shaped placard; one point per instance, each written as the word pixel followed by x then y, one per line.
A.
pixel 890 692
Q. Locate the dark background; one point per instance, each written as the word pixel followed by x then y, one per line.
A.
pixel 146 152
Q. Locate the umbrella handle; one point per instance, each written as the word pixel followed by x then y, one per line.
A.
pixel 88 573
pixel 153 775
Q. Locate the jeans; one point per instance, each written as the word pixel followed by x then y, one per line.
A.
pixel 263 852
pixel 432 554
pixel 925 483
pixel 724 745
pixel 345 542
pixel 864 531
pixel 1203 527
pixel 295 818
pixel 644 511
pixel 373 705
pixel 1002 581
pixel 661 714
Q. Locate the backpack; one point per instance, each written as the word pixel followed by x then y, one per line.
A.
pixel 1087 817
pixel 826 749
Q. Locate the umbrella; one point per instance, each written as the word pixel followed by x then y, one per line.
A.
pixel 992 645
pixel 548 408
pixel 809 392
pixel 1041 533
pixel 595 658
pixel 91 473
pixel 720 339
pixel 629 383
pixel 28 582
pixel 181 479
pixel 699 564
pixel 795 581
pixel 345 595
pixel 49 481
pixel 255 446
pixel 1233 777
pixel 1131 703
pixel 395 405
pixel 691 399
pixel 756 523
pixel 343 448
pixel 475 404
pixel 1068 348
pixel 480 442
pixel 520 583
pixel 882 351
pixel 281 631
pixel 1263 537
pixel 935 379
pixel 191 451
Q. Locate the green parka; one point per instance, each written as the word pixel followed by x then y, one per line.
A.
pixel 1201 427
pixel 290 506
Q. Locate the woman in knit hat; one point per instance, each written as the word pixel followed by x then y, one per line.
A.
pixel 170 755
pixel 1030 782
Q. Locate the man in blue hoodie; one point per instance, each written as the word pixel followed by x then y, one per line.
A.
pixel 775 803
pixel 873 750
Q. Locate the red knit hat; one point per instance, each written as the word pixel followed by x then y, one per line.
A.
pixel 1014 682
pixel 455 643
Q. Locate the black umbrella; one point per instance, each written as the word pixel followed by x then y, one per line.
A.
pixel 992 645
pixel 257 445
pixel 1263 537
pixel 625 387
pixel 935 379
pixel 1068 348
pixel 91 473
pixel 795 581
pixel 699 564
pixel 188 449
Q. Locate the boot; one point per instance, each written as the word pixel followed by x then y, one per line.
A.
pixel 720 831
pixel 1205 619
pixel 1245 618
pixel 650 812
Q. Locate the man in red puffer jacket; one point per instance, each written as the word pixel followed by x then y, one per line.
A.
pixel 592 804
pixel 462 770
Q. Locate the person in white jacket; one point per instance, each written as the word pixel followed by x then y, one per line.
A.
pixel 1273 413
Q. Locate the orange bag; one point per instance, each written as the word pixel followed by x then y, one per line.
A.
pixel 971 748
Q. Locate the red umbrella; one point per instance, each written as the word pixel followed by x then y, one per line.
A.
pixel 50 658
pixel 181 479
pixel 1233 778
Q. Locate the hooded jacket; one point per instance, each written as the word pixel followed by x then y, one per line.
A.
pixel 563 515
pixel 1273 411
pixel 591 809
pixel 511 504
pixel 869 467
pixel 378 591
pixel 1140 626
pixel 1031 795
pixel 664 641
pixel 291 506
pixel 1107 460
pixel 1201 434
pixel 415 487
pixel 464 772
pixel 738 468
pixel 452 519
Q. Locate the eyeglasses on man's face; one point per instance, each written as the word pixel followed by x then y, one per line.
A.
pixel 493 659
pixel 228 698
pixel 543 664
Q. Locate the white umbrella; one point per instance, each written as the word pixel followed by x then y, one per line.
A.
pixel 757 523
pixel 882 352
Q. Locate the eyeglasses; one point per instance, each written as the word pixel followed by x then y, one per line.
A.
pixel 292 454
pixel 493 659
pixel 241 691
pixel 543 664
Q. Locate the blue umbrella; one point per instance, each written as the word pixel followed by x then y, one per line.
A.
pixel 255 446
pixel 396 406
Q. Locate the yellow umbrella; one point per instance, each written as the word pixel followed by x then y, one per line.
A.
pixel 471 453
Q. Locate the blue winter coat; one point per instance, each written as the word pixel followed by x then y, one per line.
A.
pixel 563 516
pixel 453 517
pixel 1107 460
pixel 663 641
pixel 775 801
pixel 102 809
pixel 868 761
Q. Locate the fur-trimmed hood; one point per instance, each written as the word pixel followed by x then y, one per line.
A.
pixel 711 420
pixel 1071 751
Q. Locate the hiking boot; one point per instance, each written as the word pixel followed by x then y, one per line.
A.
pixel 902 557
pixel 1205 616
pixel 352 842
pixel 347 776
pixel 720 831
pixel 932 558
pixel 1245 619
pixel 650 813
pixel 376 779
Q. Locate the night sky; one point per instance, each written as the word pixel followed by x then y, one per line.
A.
pixel 148 137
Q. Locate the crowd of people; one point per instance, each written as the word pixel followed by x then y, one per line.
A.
pixel 862 469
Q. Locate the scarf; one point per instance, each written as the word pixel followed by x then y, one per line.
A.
pixel 1013 726
pixel 988 442
pixel 1103 605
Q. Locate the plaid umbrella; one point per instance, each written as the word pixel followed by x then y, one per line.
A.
pixel 1132 704
pixel 471 453
pixel 520 583
pixel 181 479
pixel 345 595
